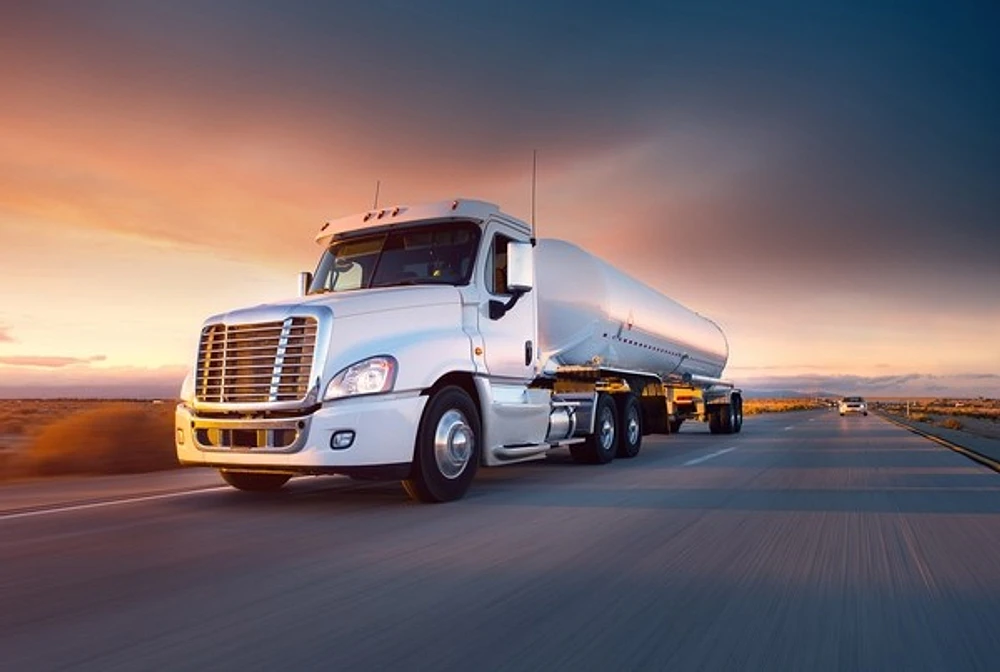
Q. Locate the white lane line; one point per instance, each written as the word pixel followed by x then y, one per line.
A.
pixel 705 458
pixel 787 428
pixel 113 502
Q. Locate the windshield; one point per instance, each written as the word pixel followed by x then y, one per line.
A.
pixel 428 254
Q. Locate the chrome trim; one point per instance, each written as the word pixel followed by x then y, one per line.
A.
pixel 454 443
pixel 269 425
pixel 279 359
pixel 308 381
pixel 519 452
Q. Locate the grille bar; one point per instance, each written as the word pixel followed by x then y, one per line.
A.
pixel 261 362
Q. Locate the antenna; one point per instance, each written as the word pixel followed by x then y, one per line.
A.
pixel 378 183
pixel 534 174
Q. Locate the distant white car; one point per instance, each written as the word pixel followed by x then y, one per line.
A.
pixel 853 405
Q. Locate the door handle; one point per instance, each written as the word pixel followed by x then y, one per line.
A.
pixel 529 352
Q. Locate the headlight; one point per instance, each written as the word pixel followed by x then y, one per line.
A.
pixel 369 376
pixel 187 388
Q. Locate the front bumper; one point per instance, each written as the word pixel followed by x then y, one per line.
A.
pixel 384 427
pixel 853 409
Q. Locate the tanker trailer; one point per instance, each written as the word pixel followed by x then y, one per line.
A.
pixel 433 339
pixel 603 333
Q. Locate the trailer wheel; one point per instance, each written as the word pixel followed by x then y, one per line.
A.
pixel 630 422
pixel 242 480
pixel 599 447
pixel 447 449
pixel 737 413
pixel 715 420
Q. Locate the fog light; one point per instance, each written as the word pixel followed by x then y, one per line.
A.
pixel 342 440
pixel 180 436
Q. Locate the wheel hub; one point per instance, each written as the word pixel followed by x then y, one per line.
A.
pixel 607 430
pixel 633 429
pixel 454 442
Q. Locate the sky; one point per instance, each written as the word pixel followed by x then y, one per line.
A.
pixel 821 179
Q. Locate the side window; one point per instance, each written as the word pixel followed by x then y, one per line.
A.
pixel 496 266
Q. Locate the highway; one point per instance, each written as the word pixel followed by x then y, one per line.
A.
pixel 808 542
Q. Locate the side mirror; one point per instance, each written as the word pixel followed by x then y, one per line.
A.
pixel 305 280
pixel 520 267
pixel 520 277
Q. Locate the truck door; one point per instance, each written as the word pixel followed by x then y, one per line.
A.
pixel 509 342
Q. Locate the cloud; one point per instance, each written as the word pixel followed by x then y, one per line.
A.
pixel 911 384
pixel 802 130
pixel 5 336
pixel 47 362
pixel 91 383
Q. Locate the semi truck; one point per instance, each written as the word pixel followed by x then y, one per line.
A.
pixel 435 339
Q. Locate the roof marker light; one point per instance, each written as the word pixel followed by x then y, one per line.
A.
pixel 325 226
pixel 454 204
pixel 381 214
pixel 395 211
pixel 367 216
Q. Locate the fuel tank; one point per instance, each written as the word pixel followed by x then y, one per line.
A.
pixel 592 314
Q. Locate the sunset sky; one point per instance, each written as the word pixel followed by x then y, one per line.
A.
pixel 821 179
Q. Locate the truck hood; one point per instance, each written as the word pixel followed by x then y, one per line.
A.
pixel 352 303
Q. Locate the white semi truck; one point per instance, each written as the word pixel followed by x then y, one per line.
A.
pixel 434 339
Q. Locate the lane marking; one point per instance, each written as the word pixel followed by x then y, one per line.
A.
pixel 112 502
pixel 787 428
pixel 705 458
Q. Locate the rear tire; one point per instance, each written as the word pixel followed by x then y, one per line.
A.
pixel 737 413
pixel 630 422
pixel 242 480
pixel 448 447
pixel 726 418
pixel 675 425
pixel 599 447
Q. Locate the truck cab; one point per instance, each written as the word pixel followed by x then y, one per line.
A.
pixel 410 311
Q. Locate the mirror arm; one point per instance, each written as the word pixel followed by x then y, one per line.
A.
pixel 498 308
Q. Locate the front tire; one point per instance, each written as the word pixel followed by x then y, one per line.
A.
pixel 630 422
pixel 242 480
pixel 599 447
pixel 448 448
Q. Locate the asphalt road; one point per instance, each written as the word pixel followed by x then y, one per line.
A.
pixel 809 542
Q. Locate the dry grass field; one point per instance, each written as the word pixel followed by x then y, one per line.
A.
pixel 50 437
pixel 757 406
pixel 975 416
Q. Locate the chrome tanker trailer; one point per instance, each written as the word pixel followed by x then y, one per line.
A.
pixel 434 339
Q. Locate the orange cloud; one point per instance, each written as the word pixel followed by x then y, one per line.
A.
pixel 5 336
pixel 49 362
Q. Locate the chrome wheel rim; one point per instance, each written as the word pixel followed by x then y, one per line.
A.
pixel 633 428
pixel 454 442
pixel 607 431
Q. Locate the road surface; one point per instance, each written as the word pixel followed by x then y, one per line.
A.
pixel 809 542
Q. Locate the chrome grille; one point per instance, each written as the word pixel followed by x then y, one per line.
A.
pixel 261 362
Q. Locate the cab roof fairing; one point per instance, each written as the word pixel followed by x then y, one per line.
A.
pixel 384 219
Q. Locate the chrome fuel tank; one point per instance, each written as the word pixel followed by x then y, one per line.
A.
pixel 592 314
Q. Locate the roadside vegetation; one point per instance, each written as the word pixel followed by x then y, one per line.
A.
pixel 757 406
pixel 976 416
pixel 45 438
